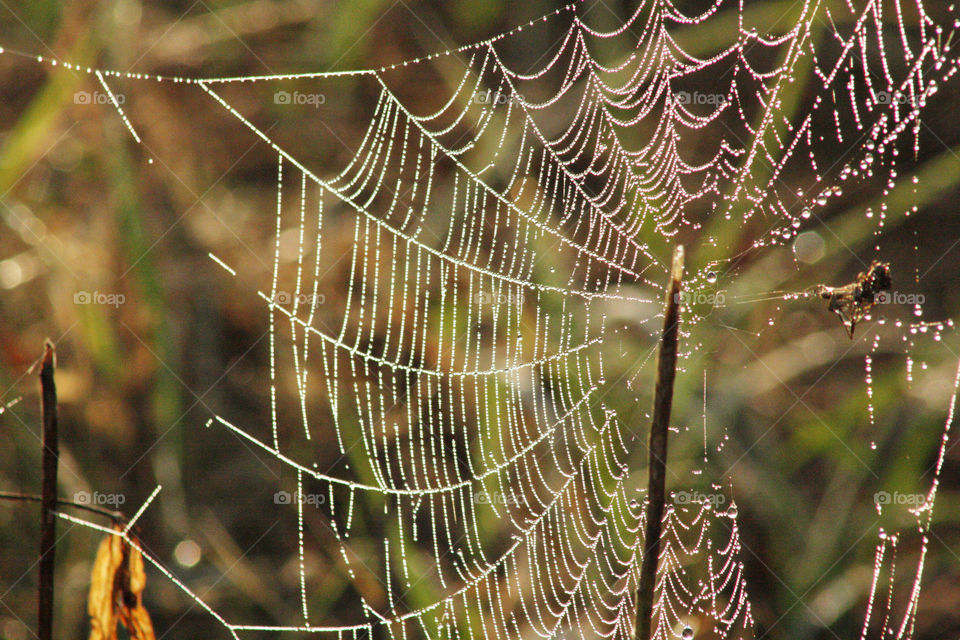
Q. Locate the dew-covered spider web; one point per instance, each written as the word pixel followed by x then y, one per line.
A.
pixel 485 243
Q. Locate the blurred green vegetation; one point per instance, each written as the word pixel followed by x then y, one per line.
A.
pixel 83 209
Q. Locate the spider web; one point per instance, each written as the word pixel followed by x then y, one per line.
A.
pixel 462 371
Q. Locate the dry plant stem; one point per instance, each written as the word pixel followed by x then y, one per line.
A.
pixel 656 487
pixel 48 496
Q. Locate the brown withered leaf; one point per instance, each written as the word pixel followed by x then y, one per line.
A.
pixel 132 612
pixel 101 599
pixel 117 582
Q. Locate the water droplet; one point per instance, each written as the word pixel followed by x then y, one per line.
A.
pixel 634 504
pixel 687 633
pixel 732 511
pixel 711 277
pixel 917 310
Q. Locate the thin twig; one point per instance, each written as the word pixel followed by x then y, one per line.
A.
pixel 116 516
pixel 48 495
pixel 656 487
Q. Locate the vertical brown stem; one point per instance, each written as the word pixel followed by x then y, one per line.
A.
pixel 656 487
pixel 48 496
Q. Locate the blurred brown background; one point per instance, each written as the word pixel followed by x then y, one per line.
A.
pixel 83 210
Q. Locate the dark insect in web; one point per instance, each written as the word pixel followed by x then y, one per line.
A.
pixel 853 301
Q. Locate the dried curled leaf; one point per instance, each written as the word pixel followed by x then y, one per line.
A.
pixel 116 592
pixel 101 599
pixel 132 612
